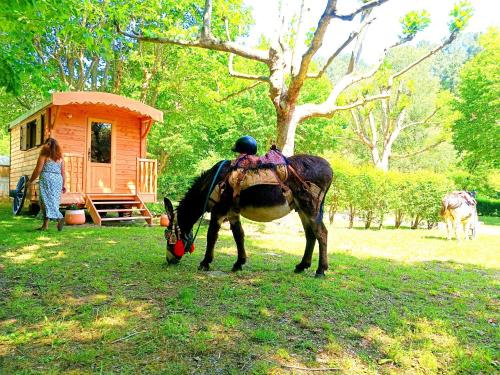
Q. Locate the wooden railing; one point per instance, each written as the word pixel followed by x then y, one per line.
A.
pixel 73 165
pixel 147 176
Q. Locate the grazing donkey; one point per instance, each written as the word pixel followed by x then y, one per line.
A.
pixel 308 178
pixel 459 208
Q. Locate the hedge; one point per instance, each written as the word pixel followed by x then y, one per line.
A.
pixel 488 207
pixel 372 194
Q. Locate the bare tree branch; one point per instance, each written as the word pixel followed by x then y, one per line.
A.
pixel 366 6
pixel 433 51
pixel 316 43
pixel 235 74
pixel 350 139
pixel 206 32
pixel 206 40
pixel 255 84
pixel 373 128
pixel 349 39
pixel 356 52
pixel 425 121
pixel 421 151
pixel 358 129
pixel 23 103
pixel 299 40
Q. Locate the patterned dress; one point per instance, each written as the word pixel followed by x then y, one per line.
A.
pixel 51 189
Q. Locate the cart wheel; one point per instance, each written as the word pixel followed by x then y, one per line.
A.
pixel 19 195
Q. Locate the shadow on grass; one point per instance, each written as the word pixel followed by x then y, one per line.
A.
pixel 102 300
pixel 440 238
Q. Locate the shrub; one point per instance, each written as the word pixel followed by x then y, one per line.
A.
pixel 172 186
pixel 488 207
pixel 371 194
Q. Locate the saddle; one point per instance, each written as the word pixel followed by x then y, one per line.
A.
pixel 270 169
pixel 250 170
pixel 469 199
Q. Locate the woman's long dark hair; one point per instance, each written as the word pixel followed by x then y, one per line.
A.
pixel 51 149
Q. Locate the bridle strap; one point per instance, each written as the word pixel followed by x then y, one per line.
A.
pixel 212 185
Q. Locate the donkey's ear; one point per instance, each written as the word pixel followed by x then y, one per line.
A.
pixel 169 207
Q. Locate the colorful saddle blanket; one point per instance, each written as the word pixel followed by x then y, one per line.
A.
pixel 251 170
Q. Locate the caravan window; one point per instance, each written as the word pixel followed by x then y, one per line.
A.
pixel 32 133
pixel 100 151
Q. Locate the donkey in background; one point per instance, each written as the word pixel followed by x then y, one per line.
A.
pixel 459 208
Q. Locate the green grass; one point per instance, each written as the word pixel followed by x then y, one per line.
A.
pixel 490 220
pixel 102 300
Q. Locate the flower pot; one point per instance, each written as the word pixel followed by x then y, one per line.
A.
pixel 74 217
pixel 164 221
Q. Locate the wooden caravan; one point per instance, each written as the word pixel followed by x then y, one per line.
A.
pixel 103 137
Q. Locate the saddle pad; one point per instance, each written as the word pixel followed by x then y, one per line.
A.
pixel 242 179
pixel 248 178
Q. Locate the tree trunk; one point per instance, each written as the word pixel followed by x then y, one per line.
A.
pixel 381 221
pixel 398 219
pixel 368 221
pixel 334 207
pixel 352 213
pixel 381 163
pixel 415 223
pixel 331 214
pixel 287 125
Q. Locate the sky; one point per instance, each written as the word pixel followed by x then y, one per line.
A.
pixel 382 32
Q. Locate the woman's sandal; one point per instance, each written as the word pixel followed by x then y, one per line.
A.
pixel 60 224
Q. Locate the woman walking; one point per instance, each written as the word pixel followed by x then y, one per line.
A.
pixel 50 168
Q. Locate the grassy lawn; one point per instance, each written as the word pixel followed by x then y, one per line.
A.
pixel 490 220
pixel 102 300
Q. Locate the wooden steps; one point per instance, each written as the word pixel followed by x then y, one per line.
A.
pixel 99 205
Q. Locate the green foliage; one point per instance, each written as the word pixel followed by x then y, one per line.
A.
pixel 173 186
pixel 484 181
pixel 8 77
pixel 413 22
pixel 460 14
pixel 488 207
pixel 476 132
pixel 448 63
pixel 372 194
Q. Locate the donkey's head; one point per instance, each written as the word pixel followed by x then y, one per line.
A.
pixel 178 241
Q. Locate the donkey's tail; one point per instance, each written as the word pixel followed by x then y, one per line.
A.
pixel 444 207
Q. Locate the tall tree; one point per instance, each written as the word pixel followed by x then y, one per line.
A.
pixel 289 67
pixel 410 109
pixel 476 132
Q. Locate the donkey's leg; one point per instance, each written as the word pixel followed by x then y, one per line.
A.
pixel 239 238
pixel 322 236
pixel 456 224
pixel 310 242
pixel 447 221
pixel 212 234
pixel 467 227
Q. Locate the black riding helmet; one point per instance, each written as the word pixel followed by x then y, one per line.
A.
pixel 245 145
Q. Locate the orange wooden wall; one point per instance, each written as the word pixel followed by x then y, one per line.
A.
pixel 71 131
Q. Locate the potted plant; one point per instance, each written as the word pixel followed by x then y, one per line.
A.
pixel 74 215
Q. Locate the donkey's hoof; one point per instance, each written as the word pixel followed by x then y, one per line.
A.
pixel 237 267
pixel 301 267
pixel 203 267
pixel 320 274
